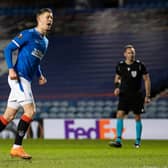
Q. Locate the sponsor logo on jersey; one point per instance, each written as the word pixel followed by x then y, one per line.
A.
pixel 37 53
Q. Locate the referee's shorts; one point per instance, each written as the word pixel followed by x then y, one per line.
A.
pixel 131 102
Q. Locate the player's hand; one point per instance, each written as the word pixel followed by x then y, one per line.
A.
pixel 42 80
pixel 12 74
pixel 147 100
pixel 116 91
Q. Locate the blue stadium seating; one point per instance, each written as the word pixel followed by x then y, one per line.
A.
pixel 85 109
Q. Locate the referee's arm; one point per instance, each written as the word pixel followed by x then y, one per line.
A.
pixel 117 81
pixel 147 83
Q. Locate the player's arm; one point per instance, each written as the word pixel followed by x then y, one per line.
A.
pixel 8 57
pixel 15 44
pixel 147 83
pixel 41 79
pixel 117 82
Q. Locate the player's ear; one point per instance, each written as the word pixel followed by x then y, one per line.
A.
pixel 125 54
pixel 134 52
pixel 38 18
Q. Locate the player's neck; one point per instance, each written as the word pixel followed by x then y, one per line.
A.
pixel 129 62
pixel 41 31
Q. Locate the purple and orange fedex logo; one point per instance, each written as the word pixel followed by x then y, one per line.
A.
pixel 96 129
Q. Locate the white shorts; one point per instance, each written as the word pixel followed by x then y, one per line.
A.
pixel 20 93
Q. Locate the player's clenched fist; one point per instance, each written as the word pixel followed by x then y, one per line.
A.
pixel 42 80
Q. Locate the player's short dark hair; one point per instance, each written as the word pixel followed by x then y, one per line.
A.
pixel 128 46
pixel 43 10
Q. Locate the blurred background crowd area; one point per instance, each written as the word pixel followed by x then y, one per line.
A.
pixel 85 4
pixel 86 43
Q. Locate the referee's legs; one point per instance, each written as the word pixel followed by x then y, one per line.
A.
pixel 138 128
pixel 119 126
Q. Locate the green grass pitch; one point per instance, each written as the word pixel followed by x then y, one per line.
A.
pixel 86 154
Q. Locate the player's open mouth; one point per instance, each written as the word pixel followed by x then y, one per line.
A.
pixel 49 24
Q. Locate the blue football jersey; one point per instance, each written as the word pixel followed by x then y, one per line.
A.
pixel 31 46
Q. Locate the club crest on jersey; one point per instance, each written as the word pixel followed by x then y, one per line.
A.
pixel 134 74
pixel 20 36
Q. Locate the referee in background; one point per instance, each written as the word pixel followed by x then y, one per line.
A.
pixel 128 79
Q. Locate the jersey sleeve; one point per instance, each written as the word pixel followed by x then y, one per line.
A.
pixel 22 38
pixel 8 54
pixel 143 69
pixel 118 72
pixel 16 43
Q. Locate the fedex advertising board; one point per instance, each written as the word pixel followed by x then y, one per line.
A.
pixel 102 129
